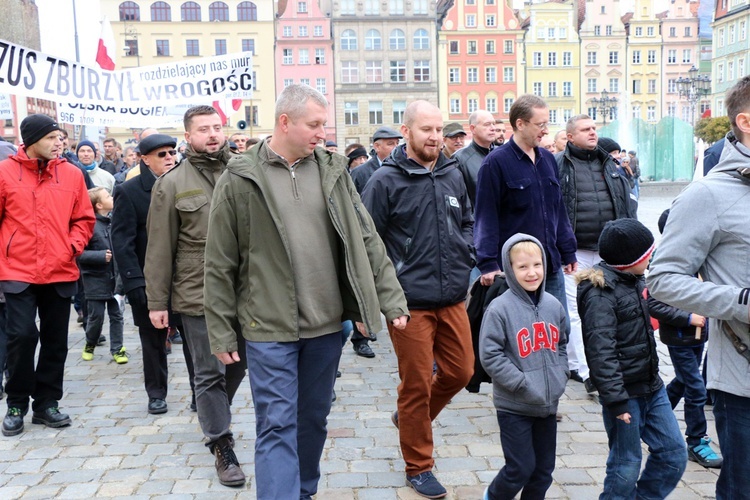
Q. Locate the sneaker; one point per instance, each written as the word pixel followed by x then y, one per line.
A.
pixel 13 422
pixel 574 375
pixel 704 455
pixel 88 352
pixel 426 485
pixel 51 417
pixel 227 466
pixel 121 356
pixel 102 340
pixel 394 418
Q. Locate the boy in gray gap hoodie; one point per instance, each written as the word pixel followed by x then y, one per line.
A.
pixel 522 347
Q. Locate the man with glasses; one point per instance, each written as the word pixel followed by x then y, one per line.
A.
pixel 518 192
pixel 470 158
pixel 177 230
pixel 594 193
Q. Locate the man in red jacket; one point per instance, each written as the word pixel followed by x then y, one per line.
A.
pixel 46 220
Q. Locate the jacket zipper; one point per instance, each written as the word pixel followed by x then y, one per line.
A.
pixel 294 182
pixel 448 215
pixel 401 262
pixel 361 218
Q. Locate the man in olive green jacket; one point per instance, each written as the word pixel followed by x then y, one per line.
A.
pixel 292 252
pixel 177 228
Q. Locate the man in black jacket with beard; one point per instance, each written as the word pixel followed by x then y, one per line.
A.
pixel 420 207
pixel 594 193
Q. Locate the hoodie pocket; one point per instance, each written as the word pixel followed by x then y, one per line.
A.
pixel 534 390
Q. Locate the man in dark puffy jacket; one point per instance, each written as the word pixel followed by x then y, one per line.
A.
pixel 594 193
pixel 470 158
pixel 420 207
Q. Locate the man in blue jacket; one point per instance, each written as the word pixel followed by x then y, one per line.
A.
pixel 518 192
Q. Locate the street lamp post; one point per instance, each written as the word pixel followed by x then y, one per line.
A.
pixel 605 104
pixel 693 89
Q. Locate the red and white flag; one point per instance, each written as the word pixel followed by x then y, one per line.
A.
pixel 226 108
pixel 105 53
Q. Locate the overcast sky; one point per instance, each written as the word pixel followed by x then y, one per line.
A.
pixel 57 33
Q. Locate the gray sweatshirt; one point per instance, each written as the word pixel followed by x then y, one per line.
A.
pixel 708 232
pixel 522 345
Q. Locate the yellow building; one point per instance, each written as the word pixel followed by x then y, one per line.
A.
pixel 551 62
pixel 161 32
pixel 644 62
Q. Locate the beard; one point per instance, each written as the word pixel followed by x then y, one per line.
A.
pixel 423 154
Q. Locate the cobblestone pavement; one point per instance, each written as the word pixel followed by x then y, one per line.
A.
pixel 115 449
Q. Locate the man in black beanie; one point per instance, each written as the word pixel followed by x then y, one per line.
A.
pixel 47 220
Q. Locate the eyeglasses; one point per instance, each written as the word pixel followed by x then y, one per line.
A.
pixel 541 126
pixel 170 152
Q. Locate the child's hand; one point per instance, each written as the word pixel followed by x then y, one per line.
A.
pixel 697 320
pixel 625 417
pixel 108 255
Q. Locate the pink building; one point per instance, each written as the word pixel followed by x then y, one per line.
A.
pixel 304 51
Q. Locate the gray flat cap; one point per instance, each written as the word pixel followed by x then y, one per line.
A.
pixel 385 133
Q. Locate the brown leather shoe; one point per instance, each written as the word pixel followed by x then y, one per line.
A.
pixel 227 467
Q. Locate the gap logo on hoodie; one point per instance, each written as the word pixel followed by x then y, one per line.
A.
pixel 544 336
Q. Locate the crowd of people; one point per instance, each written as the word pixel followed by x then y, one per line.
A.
pixel 274 250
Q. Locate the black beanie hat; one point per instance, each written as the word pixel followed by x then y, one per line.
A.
pixel 625 243
pixel 356 153
pixel 608 144
pixel 35 127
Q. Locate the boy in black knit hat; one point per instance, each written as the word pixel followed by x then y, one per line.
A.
pixel 621 353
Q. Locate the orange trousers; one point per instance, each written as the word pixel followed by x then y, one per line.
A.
pixel 441 335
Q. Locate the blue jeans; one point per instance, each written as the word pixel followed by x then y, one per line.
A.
pixel 651 420
pixel 529 445
pixel 291 383
pixel 554 284
pixel 688 383
pixel 732 423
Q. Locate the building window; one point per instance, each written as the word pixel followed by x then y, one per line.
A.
pixel 672 32
pixel 490 75
pixel 397 40
pixel 162 48
pixel 597 31
pixel 303 31
pixel 472 75
pixel 455 105
pixel 592 113
pixel 348 40
pixel 372 7
pixel 305 81
pixel 471 47
pixel 320 56
pixel 421 71
pixel 320 85
pixel 537 89
pixel 671 109
pixel 453 47
pixel 650 31
pixel 288 82
pixel 304 56
pixel 373 40
pixel 421 40
pixel 396 7
pixel 374 71
pixel 190 11
pixel 651 113
pixel 614 57
pixel 552 89
pixel 454 75
pixel 192 48
pixel 220 47
pixel 471 20
pixel 567 89
pixel 608 30
pixel 472 104
pixel 687 31
pixel 552 59
pixel 743 30
pixel 248 45
pixel 591 85
pixel 551 33
pixel 287 57
pixel 720 72
pixel 636 57
pixel 251 115
pixel 671 86
pixel 286 32
pixel 741 66
pixel 376 112
pixel 255 80
pixel 614 85
pixel 351 113
pixel 161 11
pixel 349 72
pixel 651 86
pixel 508 46
pixel 567 115
pixel 129 11
pixel 652 57
pixel 491 104
pixel 302 7
pixel 509 74
pixel 507 103
pixel 218 11
pixel 639 31
pixel 318 31
pixel 553 116
pixel 537 61
pixel 591 57
pixel 636 86
pixel 399 108
pixel 247 11
pixel 398 71
pixel 687 56
pixel 420 8
pixel 721 37
pixel 348 7
pixel 672 56
pixel 567 59
pixel 635 112
pixel 489 20
pixel 730 71
pixel 489 46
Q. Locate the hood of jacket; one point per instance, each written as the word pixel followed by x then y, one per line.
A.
pixel 510 276
pixel 734 156
pixel 399 159
pixel 36 165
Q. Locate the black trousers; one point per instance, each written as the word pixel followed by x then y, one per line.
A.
pixel 43 382
pixel 154 351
